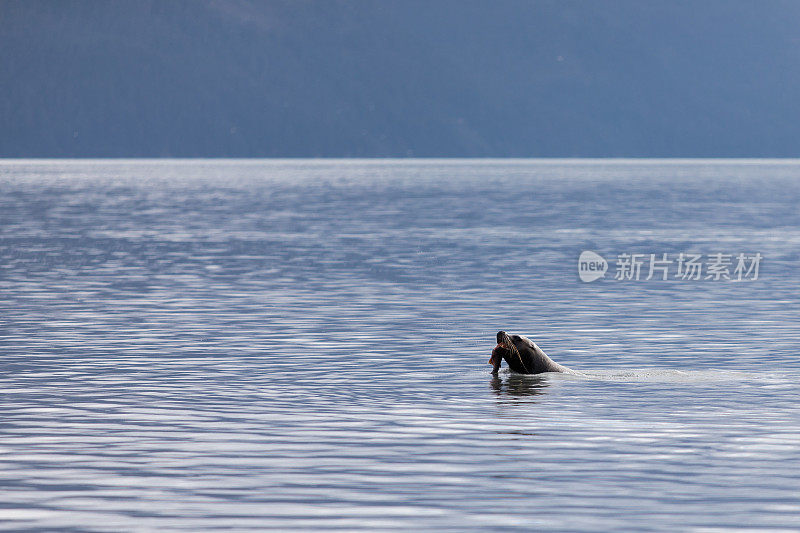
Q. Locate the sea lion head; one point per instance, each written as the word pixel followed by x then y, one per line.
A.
pixel 522 356
pixel 506 349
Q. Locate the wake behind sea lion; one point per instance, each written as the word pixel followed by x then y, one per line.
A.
pixel 523 356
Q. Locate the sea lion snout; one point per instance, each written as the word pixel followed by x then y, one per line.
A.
pixel 504 341
pixel 501 351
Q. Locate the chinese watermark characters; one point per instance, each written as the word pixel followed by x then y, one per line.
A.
pixel 682 266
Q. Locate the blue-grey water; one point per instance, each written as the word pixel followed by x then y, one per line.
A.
pixel 302 345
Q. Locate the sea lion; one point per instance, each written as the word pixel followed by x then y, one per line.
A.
pixel 522 356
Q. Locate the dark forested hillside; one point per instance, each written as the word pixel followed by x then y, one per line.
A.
pixel 243 78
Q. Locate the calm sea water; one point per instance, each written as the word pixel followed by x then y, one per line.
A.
pixel 251 345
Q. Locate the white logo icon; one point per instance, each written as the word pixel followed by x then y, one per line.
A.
pixel 591 266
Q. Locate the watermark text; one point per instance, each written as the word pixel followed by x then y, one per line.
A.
pixel 683 266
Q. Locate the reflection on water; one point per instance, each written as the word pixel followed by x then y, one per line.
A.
pixel 515 386
pixel 302 345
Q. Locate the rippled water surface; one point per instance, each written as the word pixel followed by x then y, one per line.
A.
pixel 197 345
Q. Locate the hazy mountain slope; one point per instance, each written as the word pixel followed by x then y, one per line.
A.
pixel 441 78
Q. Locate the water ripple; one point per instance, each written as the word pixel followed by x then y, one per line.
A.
pixel 299 345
